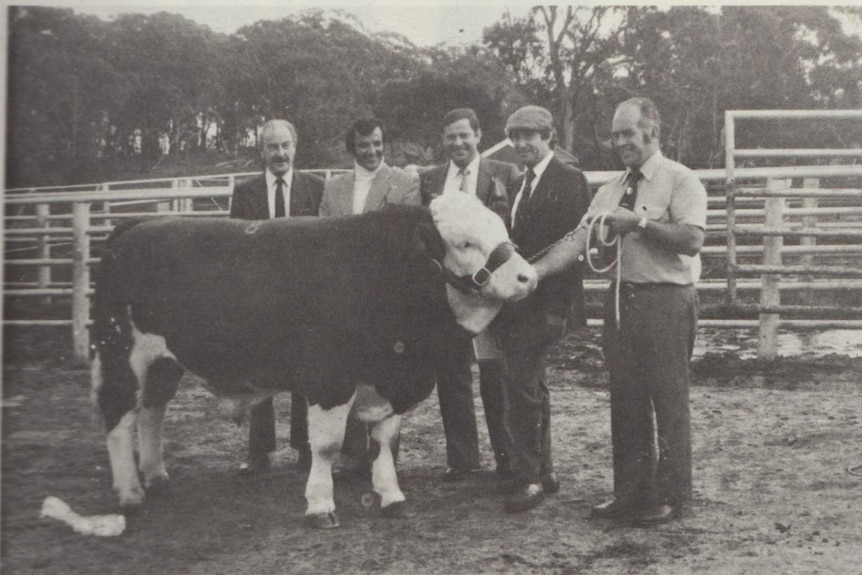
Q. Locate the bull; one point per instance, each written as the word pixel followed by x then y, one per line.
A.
pixel 349 312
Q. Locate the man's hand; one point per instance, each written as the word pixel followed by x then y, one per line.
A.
pixel 622 221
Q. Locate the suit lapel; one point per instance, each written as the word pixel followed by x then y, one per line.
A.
pixel 484 182
pixel 298 194
pixel 438 180
pixel 380 187
pixel 260 201
pixel 345 194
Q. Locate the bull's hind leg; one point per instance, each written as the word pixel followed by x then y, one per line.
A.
pixel 114 390
pixel 160 385
pixel 325 434
pixel 373 408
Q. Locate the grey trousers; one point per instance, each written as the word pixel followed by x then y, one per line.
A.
pixel 648 357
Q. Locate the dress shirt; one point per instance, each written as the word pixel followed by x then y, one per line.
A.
pixel 538 169
pixel 670 193
pixel 271 185
pixel 453 177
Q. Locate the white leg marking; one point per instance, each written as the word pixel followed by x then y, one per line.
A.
pixel 383 475
pixel 325 434
pixel 121 452
pixel 150 446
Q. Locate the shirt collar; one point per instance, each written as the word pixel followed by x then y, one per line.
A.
pixel 540 167
pixel 472 167
pixel 649 167
pixel 271 178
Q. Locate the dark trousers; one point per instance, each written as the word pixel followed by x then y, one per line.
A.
pixel 355 451
pixel 528 401
pixel 648 358
pixel 261 428
pixel 458 410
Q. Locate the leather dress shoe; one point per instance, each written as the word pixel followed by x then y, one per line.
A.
pixel 613 509
pixel 550 484
pixel 452 474
pixel 254 467
pixel 656 515
pixel 528 497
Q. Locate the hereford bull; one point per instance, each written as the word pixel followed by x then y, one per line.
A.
pixel 345 311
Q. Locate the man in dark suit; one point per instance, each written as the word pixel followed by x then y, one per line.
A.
pixel 550 201
pixel 489 180
pixel 279 192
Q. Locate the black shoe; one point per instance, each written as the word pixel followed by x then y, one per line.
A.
pixel 656 515
pixel 528 497
pixel 550 484
pixel 613 509
pixel 254 467
pixel 452 474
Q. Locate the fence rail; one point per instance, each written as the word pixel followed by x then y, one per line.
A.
pixel 60 227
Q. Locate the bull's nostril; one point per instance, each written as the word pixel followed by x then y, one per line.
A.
pixel 523 279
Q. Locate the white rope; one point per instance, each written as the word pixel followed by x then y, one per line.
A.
pixel 617 261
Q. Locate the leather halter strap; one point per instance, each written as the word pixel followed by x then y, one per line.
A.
pixel 480 278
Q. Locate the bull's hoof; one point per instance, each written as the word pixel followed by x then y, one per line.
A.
pixel 395 510
pixel 158 485
pixel 322 520
pixel 132 500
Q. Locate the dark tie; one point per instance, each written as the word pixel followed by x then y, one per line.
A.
pixel 279 198
pixel 628 199
pixel 525 194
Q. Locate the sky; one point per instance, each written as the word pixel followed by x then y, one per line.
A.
pixel 425 24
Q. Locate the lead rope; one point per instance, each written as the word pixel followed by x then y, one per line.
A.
pixel 589 225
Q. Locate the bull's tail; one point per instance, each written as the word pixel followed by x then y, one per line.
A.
pixel 114 387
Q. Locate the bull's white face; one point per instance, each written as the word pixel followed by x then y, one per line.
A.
pixel 471 232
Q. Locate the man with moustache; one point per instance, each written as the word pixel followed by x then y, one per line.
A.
pixel 657 209
pixel 281 191
pixel 489 180
pixel 371 185
pixel 551 199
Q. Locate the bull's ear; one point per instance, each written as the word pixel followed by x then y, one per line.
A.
pixel 426 243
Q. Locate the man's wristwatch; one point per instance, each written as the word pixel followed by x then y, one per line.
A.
pixel 642 223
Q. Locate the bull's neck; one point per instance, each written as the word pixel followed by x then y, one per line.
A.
pixel 472 312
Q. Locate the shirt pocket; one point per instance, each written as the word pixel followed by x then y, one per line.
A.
pixel 656 209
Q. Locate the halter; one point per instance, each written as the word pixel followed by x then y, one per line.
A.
pixel 480 278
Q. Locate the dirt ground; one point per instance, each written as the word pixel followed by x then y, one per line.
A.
pixel 772 492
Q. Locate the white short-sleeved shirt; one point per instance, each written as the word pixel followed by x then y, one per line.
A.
pixel 668 192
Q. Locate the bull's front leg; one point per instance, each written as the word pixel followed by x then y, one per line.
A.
pixel 383 475
pixel 325 434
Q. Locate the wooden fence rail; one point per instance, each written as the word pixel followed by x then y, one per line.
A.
pixel 79 218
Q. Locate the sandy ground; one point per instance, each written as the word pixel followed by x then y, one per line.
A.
pixel 772 447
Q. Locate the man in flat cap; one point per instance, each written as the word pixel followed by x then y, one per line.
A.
pixel 551 199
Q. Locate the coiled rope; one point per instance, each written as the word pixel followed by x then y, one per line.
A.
pixel 615 241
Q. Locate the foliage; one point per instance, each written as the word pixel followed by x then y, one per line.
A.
pixel 88 99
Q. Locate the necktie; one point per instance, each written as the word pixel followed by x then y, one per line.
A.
pixel 463 174
pixel 525 194
pixel 528 186
pixel 279 198
pixel 628 199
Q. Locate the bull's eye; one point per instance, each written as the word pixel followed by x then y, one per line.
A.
pixel 466 246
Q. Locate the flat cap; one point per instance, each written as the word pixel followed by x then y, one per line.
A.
pixel 530 118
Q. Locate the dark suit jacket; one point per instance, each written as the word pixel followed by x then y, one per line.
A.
pixel 249 197
pixel 492 184
pixel 556 206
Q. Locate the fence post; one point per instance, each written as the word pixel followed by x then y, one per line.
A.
pixel 81 280
pixel 730 205
pixel 43 248
pixel 769 291
pixel 807 296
